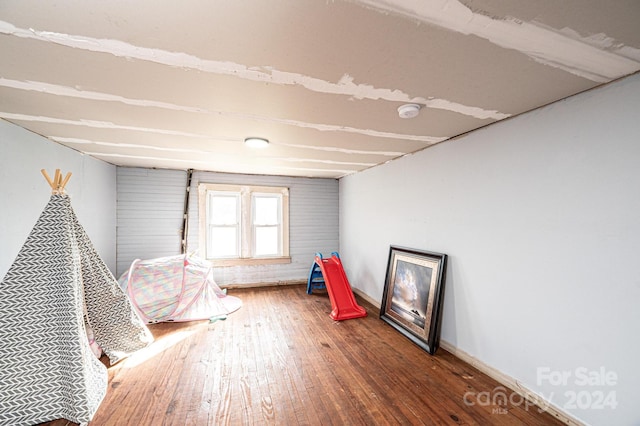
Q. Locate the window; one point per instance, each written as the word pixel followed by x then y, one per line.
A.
pixel 267 224
pixel 223 224
pixel 244 224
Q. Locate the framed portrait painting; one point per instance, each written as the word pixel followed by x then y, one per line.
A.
pixel 413 293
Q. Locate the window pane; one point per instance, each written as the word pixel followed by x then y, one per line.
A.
pixel 223 210
pixel 266 241
pixel 222 242
pixel 266 210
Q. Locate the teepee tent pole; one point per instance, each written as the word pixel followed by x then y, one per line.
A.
pixel 66 179
pixel 57 184
pixel 46 176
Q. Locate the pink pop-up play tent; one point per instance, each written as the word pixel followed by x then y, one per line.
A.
pixel 176 288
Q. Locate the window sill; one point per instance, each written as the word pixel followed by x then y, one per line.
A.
pixel 250 261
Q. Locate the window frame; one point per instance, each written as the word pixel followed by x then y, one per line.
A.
pixel 247 239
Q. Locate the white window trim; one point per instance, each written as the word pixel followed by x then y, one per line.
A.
pixel 246 220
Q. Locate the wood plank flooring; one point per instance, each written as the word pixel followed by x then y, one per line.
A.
pixel 281 360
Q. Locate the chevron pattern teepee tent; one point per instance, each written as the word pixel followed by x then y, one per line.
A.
pixel 57 286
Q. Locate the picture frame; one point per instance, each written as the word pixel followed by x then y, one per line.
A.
pixel 413 294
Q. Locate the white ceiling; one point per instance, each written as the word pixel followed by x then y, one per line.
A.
pixel 180 84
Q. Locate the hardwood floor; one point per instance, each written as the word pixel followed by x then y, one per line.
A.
pixel 281 360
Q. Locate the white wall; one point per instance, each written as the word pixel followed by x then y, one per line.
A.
pixel 24 192
pixel 151 202
pixel 540 215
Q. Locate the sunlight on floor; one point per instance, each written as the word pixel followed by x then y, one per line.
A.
pixel 157 347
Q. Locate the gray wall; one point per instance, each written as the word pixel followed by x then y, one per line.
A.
pixel 150 204
pixel 149 213
pixel 24 192
pixel 540 215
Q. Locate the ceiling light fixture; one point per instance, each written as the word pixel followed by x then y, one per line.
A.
pixel 256 142
pixel 408 110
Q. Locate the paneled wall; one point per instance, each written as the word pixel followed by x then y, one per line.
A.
pixel 149 213
pixel 151 202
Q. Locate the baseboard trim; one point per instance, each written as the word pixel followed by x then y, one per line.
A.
pixel 366 297
pixel 265 284
pixel 512 384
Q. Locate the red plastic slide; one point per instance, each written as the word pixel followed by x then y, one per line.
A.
pixel 343 303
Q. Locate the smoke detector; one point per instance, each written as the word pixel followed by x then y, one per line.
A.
pixel 409 110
